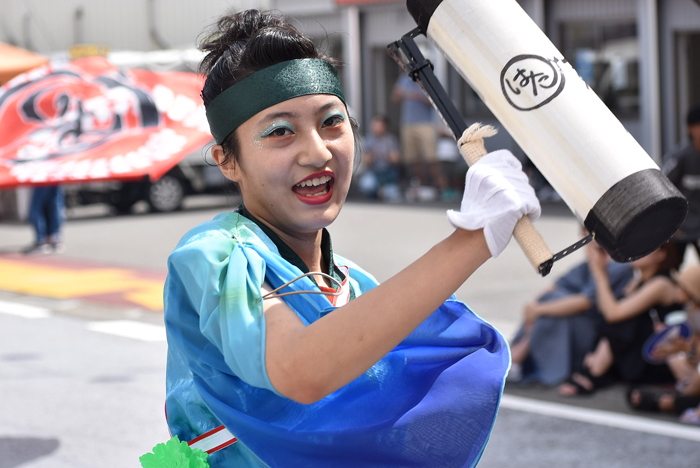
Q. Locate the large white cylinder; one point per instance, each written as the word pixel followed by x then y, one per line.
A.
pixel 601 172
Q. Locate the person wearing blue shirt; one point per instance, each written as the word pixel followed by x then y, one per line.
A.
pixel 561 326
pixel 418 133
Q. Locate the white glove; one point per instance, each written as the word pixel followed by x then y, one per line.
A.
pixel 496 195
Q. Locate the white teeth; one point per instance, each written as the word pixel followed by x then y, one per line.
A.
pixel 322 192
pixel 315 181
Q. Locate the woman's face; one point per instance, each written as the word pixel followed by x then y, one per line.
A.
pixel 295 163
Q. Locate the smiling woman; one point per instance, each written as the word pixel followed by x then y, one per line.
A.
pixel 300 150
pixel 283 353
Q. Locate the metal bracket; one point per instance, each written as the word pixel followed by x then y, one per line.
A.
pixel 406 53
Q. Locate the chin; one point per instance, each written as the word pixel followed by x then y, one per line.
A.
pixel 322 217
pixel 323 220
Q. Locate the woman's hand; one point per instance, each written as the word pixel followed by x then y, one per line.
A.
pixel 496 195
pixel 673 346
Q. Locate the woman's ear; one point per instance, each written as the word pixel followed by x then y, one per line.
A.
pixel 227 165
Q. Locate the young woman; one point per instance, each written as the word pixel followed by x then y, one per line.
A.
pixel 294 350
pixel 680 354
pixel 628 321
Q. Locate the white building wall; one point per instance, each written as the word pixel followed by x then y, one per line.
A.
pixel 588 10
pixel 676 17
pixel 48 26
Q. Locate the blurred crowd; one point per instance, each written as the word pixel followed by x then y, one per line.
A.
pixel 422 163
pixel 638 324
pixel 603 323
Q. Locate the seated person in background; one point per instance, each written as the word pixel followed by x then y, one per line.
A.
pixel 681 356
pixel 381 160
pixel 560 326
pixel 628 322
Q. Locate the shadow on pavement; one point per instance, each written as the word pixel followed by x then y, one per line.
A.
pixel 18 450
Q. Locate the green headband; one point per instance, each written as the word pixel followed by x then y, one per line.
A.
pixel 267 87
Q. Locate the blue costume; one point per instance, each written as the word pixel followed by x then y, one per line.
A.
pixel 431 401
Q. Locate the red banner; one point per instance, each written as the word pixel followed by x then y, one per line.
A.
pixel 87 120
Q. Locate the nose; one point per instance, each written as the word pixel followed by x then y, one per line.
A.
pixel 315 150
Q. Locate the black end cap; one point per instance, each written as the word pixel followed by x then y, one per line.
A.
pixel 637 215
pixel 422 11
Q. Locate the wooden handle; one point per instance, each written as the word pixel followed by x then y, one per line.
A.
pixel 471 146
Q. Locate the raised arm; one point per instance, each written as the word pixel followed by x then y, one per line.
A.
pixel 306 363
pixel 658 290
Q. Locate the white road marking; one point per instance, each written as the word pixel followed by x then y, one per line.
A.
pixel 601 418
pixel 129 329
pixel 24 310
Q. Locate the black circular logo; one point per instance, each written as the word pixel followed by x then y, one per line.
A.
pixel 530 81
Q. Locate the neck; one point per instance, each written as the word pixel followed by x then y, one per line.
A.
pixel 307 246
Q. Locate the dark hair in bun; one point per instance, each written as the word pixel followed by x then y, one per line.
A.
pixel 240 44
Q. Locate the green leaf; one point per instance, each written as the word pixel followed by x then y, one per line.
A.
pixel 174 454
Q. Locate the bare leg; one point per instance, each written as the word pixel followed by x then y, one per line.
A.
pixel 680 367
pixel 418 170
pixel 438 177
pixel 600 360
pixel 520 350
pixel 598 363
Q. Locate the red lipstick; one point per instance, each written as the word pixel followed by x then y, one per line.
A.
pixel 316 189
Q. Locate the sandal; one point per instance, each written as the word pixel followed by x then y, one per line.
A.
pixel 595 382
pixel 648 398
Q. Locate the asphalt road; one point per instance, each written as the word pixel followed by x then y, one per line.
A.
pixel 83 381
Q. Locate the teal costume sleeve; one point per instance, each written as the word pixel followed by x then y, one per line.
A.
pixel 222 280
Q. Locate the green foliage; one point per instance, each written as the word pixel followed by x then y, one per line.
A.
pixel 174 454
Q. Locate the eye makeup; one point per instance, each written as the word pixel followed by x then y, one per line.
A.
pixel 334 113
pixel 277 124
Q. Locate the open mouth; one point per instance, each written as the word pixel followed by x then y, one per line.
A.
pixel 314 187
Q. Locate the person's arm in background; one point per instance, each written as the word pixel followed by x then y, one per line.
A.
pixel 657 290
pixel 394 154
pixel 397 93
pixel 560 307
